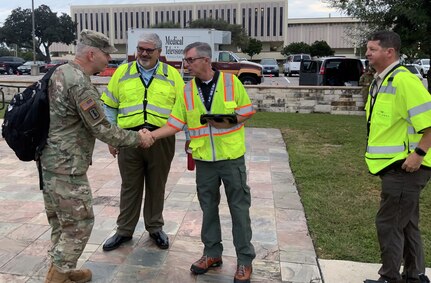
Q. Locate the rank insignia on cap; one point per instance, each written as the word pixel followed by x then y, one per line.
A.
pixel 87 104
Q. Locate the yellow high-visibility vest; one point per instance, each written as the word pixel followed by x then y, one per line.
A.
pixel 402 110
pixel 137 104
pixel 208 143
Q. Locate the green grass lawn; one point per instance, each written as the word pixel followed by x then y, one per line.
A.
pixel 340 197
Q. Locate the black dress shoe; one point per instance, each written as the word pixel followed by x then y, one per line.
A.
pixel 161 239
pixel 115 241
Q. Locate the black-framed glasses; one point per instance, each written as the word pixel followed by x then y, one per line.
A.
pixel 148 50
pixel 191 60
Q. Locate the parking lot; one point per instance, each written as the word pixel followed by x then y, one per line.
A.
pixel 294 80
pixel 268 80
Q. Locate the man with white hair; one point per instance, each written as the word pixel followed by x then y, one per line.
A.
pixel 140 95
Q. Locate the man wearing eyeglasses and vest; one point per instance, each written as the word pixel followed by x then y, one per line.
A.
pixel 398 112
pixel 140 95
pixel 218 148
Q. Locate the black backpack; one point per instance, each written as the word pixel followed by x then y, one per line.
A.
pixel 26 120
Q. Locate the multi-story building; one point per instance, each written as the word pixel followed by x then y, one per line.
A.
pixel 266 21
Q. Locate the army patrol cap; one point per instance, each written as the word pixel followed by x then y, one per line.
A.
pixel 96 39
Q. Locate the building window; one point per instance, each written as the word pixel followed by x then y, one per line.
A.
pixel 131 19
pixel 262 21
pixel 179 16
pixel 91 21
pixel 162 17
pixel 234 16
pixel 86 20
pixel 190 16
pixel 102 22
pixel 228 15
pixel 107 23
pixel 80 21
pixel 216 11
pixel 255 21
pixel 184 18
pixel 249 21
pixel 121 25
pixel 211 14
pixel 274 31
pixel 268 22
pixel 156 15
pixel 281 21
pixel 205 14
pixel 137 20
pixel 243 18
pixel 199 14
pixel 115 26
pixel 97 21
pixel 148 19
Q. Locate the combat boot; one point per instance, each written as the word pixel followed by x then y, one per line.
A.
pixel 80 275
pixel 55 276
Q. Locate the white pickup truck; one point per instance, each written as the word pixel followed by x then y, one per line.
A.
pixel 293 63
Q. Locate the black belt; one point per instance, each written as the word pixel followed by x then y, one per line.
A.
pixel 147 126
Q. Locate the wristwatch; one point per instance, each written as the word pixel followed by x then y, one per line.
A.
pixel 419 151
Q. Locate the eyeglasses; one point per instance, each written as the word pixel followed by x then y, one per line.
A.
pixel 191 60
pixel 148 50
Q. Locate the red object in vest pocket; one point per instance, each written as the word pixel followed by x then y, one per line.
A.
pixel 190 162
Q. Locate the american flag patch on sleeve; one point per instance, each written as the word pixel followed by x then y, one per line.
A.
pixel 87 104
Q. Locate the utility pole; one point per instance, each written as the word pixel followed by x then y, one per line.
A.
pixel 33 32
pixel 34 68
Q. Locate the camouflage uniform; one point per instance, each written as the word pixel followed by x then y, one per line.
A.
pixel 77 118
pixel 365 81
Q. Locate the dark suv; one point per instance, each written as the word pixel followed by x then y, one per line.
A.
pixel 333 71
pixel 9 64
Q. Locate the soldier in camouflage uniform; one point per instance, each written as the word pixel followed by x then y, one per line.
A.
pixel 77 119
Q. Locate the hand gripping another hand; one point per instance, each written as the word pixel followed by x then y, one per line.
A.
pixel 147 139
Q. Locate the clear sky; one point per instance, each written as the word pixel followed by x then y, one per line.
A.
pixel 297 8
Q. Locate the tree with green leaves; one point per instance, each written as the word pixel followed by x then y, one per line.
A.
pixel 253 47
pixel 410 19
pixel 296 48
pixel 320 49
pixel 49 28
pixel 238 35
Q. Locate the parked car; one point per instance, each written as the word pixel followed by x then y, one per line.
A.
pixel 332 71
pixel 10 64
pixel 423 65
pixel 26 67
pixel 56 62
pixel 293 63
pixel 112 66
pixel 270 66
pixel 414 70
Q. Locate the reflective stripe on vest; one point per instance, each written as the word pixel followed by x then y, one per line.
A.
pixel 205 131
pixel 111 96
pixel 385 149
pixel 127 110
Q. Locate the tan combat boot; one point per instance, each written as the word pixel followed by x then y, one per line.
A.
pixel 80 275
pixel 55 276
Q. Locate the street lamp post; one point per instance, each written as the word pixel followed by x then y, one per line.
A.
pixel 34 67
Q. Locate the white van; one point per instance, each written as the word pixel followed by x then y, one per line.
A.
pixel 293 63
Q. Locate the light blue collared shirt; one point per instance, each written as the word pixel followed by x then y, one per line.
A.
pixel 147 74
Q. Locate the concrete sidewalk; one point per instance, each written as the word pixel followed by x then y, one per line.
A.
pixel 285 251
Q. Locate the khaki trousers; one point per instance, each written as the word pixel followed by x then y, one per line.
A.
pixel 138 168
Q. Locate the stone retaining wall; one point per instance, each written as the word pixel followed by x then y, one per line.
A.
pixel 295 99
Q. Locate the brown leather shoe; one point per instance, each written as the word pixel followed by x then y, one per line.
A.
pixel 80 275
pixel 204 263
pixel 243 273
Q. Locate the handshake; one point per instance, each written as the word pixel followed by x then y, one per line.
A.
pixel 147 139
